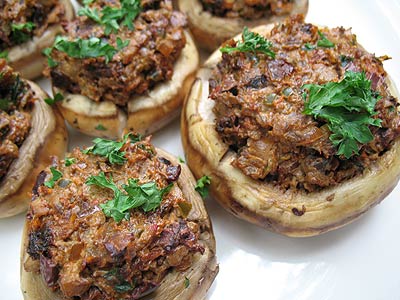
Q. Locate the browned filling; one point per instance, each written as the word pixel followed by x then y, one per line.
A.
pixel 248 9
pixel 22 19
pixel 155 43
pixel 259 107
pixel 15 118
pixel 86 255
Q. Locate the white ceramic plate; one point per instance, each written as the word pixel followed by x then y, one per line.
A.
pixel 360 261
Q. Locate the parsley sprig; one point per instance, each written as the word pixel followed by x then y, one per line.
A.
pixel 322 42
pixel 111 149
pixel 56 175
pixel 113 17
pixel 251 42
pixel 57 97
pixel 21 32
pixel 202 186
pixel 146 196
pixel 348 108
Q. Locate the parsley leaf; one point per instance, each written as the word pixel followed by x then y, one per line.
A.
pixel 57 97
pixel 100 127
pixel 11 100
pixel 112 17
pixel 56 176
pixel 186 282
pixel 111 149
pixel 69 161
pixel 50 61
pixel 308 46
pixel 146 196
pixel 4 54
pixel 90 13
pixel 251 42
pixel 347 106
pixel 123 287
pixel 21 32
pixel 324 42
pixel 80 48
pixel 202 186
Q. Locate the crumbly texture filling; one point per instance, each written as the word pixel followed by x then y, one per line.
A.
pixel 259 107
pixel 16 100
pixel 20 20
pixel 85 254
pixel 248 9
pixel 155 43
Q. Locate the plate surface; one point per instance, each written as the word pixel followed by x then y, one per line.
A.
pixel 360 261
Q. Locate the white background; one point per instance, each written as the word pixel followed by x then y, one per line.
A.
pixel 360 261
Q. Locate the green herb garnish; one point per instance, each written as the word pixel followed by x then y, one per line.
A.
pixel 57 97
pixel 123 287
pixel 111 149
pixel 100 127
pixel 345 60
pixel 56 176
pixel 181 160
pixel 146 196
pixel 251 42
pixel 202 186
pixel 347 106
pixel 324 42
pixel 69 161
pixel 4 54
pixel 50 61
pixel 21 32
pixel 79 48
pixel 113 17
pixel 187 282
pixel 309 46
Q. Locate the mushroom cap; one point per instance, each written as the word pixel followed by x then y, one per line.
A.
pixel 292 213
pixel 145 113
pixel 200 275
pixel 211 31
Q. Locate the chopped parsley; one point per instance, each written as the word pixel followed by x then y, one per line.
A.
pixel 21 32
pixel 186 282
pixel 146 196
pixel 50 61
pixel 100 127
pixel 323 41
pixel 11 99
pixel 348 107
pixel 251 42
pixel 308 46
pixel 345 60
pixel 113 17
pixel 202 186
pixel 56 175
pixel 69 161
pixel 51 101
pixel 181 160
pixel 123 287
pixel 85 48
pixel 4 54
pixel 111 149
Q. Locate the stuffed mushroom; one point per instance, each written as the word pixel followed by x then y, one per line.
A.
pixel 122 65
pixel 297 125
pixel 213 22
pixel 28 27
pixel 118 220
pixel 31 131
